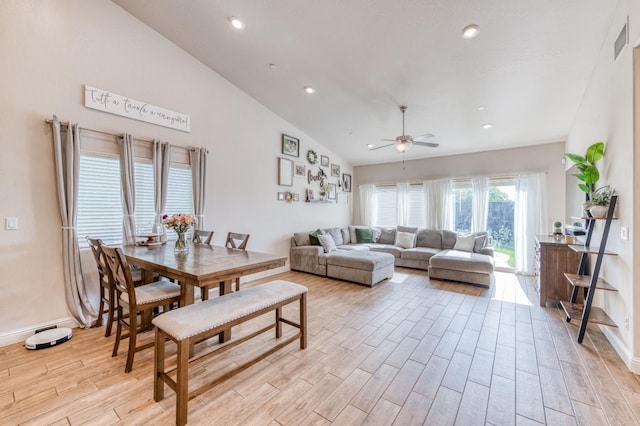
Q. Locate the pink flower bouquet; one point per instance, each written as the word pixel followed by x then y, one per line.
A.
pixel 179 222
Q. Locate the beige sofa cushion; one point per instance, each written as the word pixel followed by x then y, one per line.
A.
pixel 429 238
pixel 386 248
pixel 462 261
pixel 419 253
pixel 359 259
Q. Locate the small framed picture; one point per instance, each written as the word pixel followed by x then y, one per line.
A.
pixel 335 170
pixel 331 191
pixel 309 194
pixel 296 197
pixel 290 146
pixel 324 161
pixel 280 196
pixel 285 172
pixel 301 169
pixel 346 182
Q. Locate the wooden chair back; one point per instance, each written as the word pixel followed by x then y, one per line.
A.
pixel 202 237
pixel 95 245
pixel 237 241
pixel 120 273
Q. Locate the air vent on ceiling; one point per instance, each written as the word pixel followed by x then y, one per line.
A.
pixel 621 41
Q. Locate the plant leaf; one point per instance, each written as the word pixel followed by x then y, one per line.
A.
pixel 580 177
pixel 584 187
pixel 577 159
pixel 591 174
pixel 595 152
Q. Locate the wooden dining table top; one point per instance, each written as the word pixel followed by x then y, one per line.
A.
pixel 203 265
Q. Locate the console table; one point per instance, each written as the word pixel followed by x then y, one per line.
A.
pixel 553 259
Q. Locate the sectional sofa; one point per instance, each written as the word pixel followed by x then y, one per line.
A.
pixel 367 255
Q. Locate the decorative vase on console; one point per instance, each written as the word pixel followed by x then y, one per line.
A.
pixel 180 223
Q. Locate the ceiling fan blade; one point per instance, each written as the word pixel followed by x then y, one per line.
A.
pixel 425 136
pixel 388 140
pixel 431 144
pixel 383 146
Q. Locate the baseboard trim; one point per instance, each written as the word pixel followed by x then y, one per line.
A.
pixel 20 335
pixel 632 362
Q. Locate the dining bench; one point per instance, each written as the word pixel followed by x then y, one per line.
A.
pixel 208 318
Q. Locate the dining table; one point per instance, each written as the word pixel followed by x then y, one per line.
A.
pixel 203 266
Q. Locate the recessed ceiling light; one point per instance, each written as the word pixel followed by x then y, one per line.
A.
pixel 370 145
pixel 310 90
pixel 236 23
pixel 482 108
pixel 470 31
pixel 272 66
pixel 487 126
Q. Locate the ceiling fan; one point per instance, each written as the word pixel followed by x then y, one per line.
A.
pixel 405 142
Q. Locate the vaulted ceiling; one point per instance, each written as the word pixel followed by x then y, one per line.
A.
pixel 524 73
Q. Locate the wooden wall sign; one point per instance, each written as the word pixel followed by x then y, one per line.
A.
pixel 124 106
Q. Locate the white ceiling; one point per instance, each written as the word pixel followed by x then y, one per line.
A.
pixel 529 65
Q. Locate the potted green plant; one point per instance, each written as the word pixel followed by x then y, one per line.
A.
pixel 588 173
pixel 599 203
pixel 557 228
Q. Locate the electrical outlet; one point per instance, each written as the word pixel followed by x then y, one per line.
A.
pixel 624 232
pixel 10 223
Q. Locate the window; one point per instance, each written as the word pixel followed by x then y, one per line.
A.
pixel 385 212
pixel 416 214
pixel 99 199
pixel 99 204
pixel 462 194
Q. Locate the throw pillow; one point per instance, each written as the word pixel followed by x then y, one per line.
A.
pixel 336 234
pixel 479 242
pixel 313 237
pixel 465 242
pixel 405 240
pixel 364 235
pixel 387 236
pixel 327 243
pixel 346 235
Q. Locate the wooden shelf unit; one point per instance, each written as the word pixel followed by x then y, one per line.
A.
pixel 586 313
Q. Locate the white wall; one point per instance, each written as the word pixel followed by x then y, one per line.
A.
pixel 48 52
pixel 606 114
pixel 504 162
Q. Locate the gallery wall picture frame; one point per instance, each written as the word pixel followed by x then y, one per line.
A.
pixel 346 182
pixel 331 191
pixel 285 172
pixel 324 161
pixel 300 169
pixel 310 194
pixel 290 145
pixel 296 197
pixel 335 170
pixel 280 196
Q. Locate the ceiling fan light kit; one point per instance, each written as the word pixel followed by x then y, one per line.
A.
pixel 404 142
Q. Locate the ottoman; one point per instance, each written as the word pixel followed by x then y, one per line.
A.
pixel 360 266
pixel 474 268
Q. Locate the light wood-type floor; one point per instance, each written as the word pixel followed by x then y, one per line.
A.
pixel 409 351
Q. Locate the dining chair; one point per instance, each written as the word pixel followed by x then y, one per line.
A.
pixel 202 237
pixel 237 241
pixel 107 292
pixel 136 300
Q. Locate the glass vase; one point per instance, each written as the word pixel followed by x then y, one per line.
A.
pixel 181 243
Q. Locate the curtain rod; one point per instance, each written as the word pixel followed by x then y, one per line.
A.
pixel 462 179
pixel 115 135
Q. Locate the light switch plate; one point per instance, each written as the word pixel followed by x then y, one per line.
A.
pixel 624 232
pixel 11 223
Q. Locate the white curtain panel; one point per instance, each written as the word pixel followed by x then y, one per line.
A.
pixel 480 204
pixel 402 204
pixel 441 198
pixel 67 163
pixel 530 219
pixel 198 159
pixel 128 187
pixel 161 159
pixel 367 203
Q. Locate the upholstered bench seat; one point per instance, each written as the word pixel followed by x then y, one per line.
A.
pixel 203 320
pixel 360 266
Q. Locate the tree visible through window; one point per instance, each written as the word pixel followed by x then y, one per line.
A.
pixel 500 221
